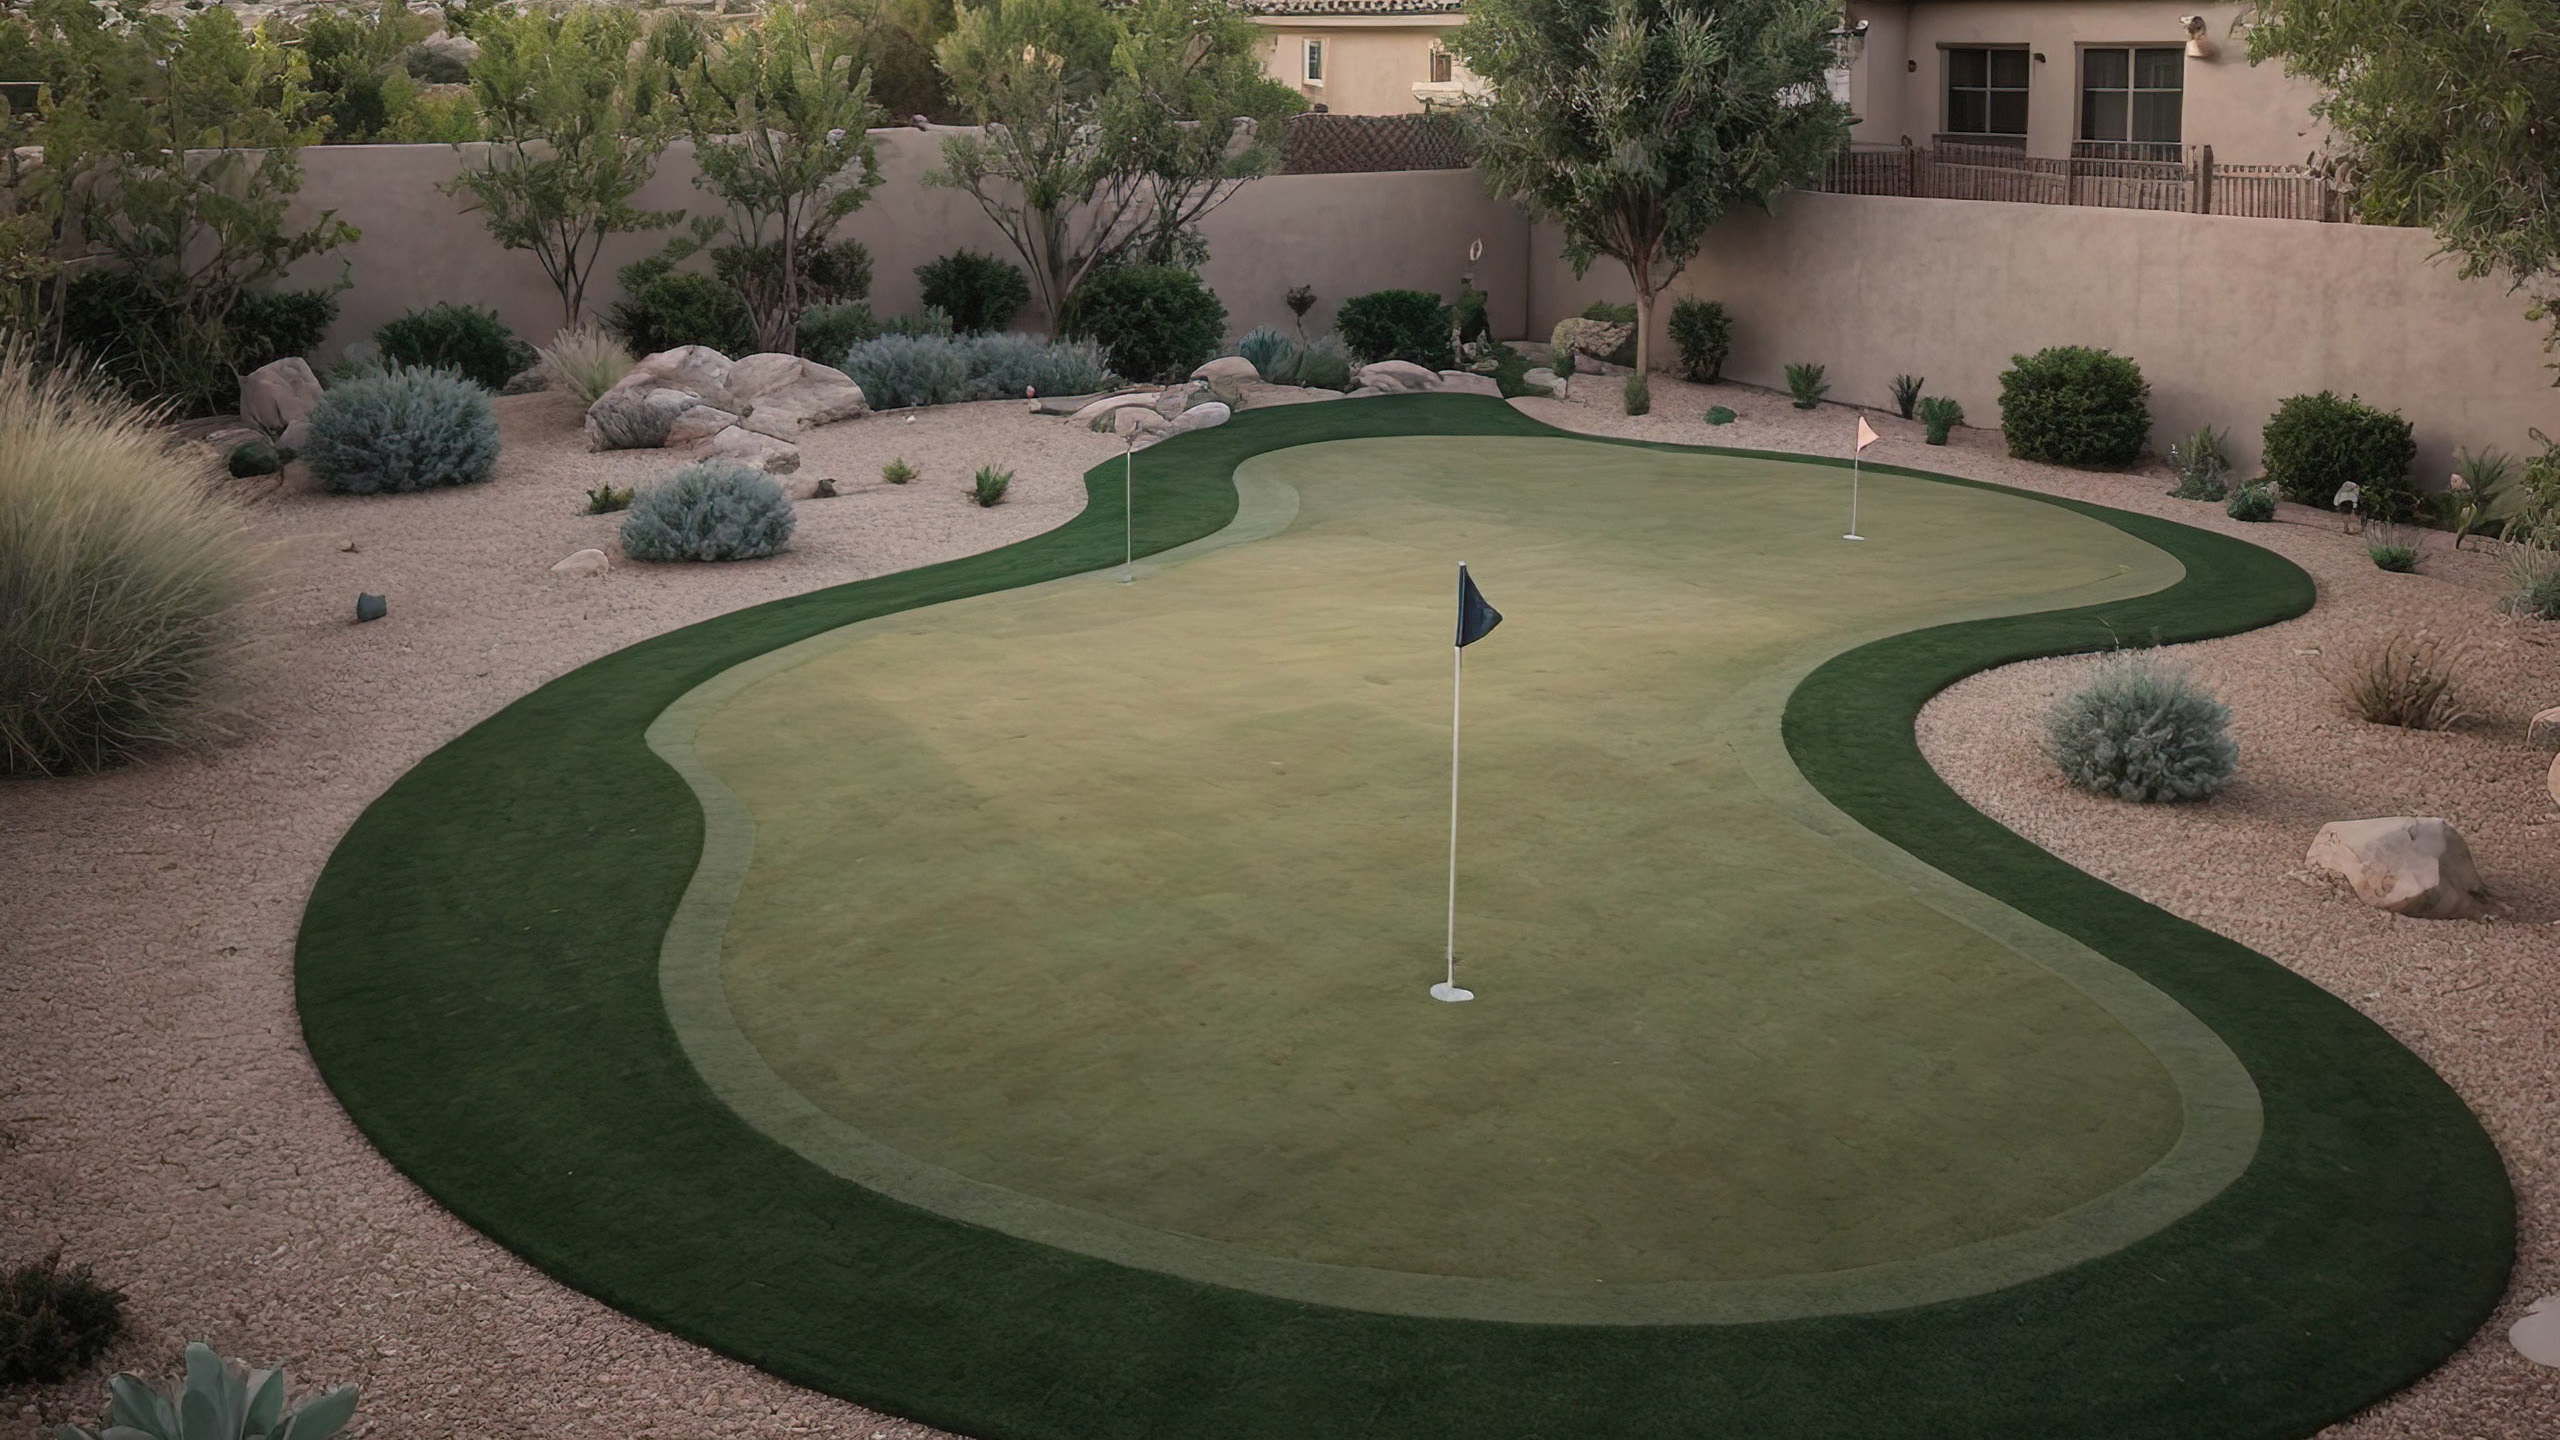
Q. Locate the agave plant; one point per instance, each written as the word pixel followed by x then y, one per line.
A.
pixel 217 1400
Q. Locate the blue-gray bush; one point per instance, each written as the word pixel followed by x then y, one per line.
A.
pixel 402 430
pixel 2142 729
pixel 711 510
pixel 895 371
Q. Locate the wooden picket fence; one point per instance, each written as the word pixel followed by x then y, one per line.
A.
pixel 2122 177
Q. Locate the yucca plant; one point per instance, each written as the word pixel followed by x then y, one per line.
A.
pixel 898 471
pixel 217 1399
pixel 2142 729
pixel 2479 484
pixel 1906 393
pixel 1269 350
pixel 2533 582
pixel 123 570
pixel 989 486
pixel 2408 680
pixel 607 498
pixel 1942 416
pixel 2203 463
pixel 1805 382
pixel 584 363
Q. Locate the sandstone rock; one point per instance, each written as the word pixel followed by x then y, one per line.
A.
pixel 2551 782
pixel 1086 414
pixel 751 447
pixel 697 424
pixel 2544 733
pixel 819 397
pixel 279 394
pixel 1365 392
pixel 1226 390
pixel 1598 339
pixel 1541 378
pixel 583 562
pixel 527 381
pixel 1176 400
pixel 1201 417
pixel 1397 377
pixel 2414 866
pixel 1137 420
pixel 756 375
pixel 1467 382
pixel 696 369
pixel 1234 369
pixel 636 417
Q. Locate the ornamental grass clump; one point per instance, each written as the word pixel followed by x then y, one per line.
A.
pixel 123 570
pixel 1274 354
pixel 403 431
pixel 2142 729
pixel 2392 547
pixel 710 510
pixel 584 363
pixel 988 486
pixel 2533 583
pixel 2401 679
pixel 1942 415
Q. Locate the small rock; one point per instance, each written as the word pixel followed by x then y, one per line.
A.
pixel 1397 377
pixel 346 547
pixel 1465 382
pixel 1234 369
pixel 750 447
pixel 2537 1336
pixel 371 607
pixel 2414 866
pixel 2544 733
pixel 279 394
pixel 527 381
pixel 1540 378
pixel 825 489
pixel 583 562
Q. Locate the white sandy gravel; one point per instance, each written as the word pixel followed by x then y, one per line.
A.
pixel 160 1118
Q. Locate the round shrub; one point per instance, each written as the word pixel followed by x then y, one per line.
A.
pixel 1410 325
pixel 896 371
pixel 1156 322
pixel 663 308
pixel 2072 405
pixel 252 458
pixel 712 510
pixel 2142 729
pixel 122 574
pixel 828 331
pixel 406 430
pixel 979 292
pixel 2253 503
pixel 2315 443
pixel 1702 331
pixel 472 342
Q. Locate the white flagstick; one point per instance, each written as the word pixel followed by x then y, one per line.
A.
pixel 1448 989
pixel 1128 512
pixel 1866 437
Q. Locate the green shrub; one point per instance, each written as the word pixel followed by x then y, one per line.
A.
pixel 408 430
pixel 123 570
pixel 979 292
pixel 1942 415
pixel 1906 393
pixel 2142 729
pixel 2411 681
pixel 663 308
pixel 2392 547
pixel 1156 322
pixel 54 1321
pixel 828 331
pixel 898 471
pixel 896 371
pixel 1805 382
pixel 472 342
pixel 156 355
pixel 709 510
pixel 252 458
pixel 2203 463
pixel 2533 583
pixel 218 1399
pixel 1607 313
pixel 928 321
pixel 1273 353
pixel 1408 325
pixel 1639 395
pixel 2316 443
pixel 833 274
pixel 2074 405
pixel 1324 363
pixel 607 498
pixel 1702 331
pixel 584 363
pixel 2253 502
pixel 1721 415
pixel 989 485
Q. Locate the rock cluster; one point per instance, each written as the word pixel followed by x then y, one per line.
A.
pixel 750 409
pixel 1594 340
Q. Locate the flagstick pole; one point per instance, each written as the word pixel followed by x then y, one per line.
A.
pixel 1128 511
pixel 1457 690
pixel 1856 455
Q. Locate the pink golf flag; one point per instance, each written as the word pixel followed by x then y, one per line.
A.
pixel 1866 433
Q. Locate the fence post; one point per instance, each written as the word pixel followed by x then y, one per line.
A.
pixel 2204 179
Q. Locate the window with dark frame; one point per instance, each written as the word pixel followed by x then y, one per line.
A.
pixel 1440 67
pixel 1987 90
pixel 1315 62
pixel 2133 94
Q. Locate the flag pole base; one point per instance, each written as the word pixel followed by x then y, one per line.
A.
pixel 1451 993
pixel 1853 537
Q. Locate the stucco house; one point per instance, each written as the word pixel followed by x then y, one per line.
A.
pixel 1365 57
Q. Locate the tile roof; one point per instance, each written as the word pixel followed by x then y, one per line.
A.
pixel 1356 7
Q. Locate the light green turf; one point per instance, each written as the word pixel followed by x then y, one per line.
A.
pixel 1120 901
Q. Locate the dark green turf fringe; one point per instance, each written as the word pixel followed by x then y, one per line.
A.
pixel 477 976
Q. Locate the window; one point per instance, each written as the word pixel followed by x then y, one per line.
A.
pixel 1986 90
pixel 1440 67
pixel 1315 62
pixel 2133 94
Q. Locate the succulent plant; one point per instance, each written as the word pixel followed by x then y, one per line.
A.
pixel 217 1399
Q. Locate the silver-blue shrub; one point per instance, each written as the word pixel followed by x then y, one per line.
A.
pixel 710 510
pixel 2142 729
pixel 896 371
pixel 402 430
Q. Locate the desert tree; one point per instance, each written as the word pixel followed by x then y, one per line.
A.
pixel 1636 125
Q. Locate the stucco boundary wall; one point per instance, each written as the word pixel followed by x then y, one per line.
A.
pixel 1344 234
pixel 2227 316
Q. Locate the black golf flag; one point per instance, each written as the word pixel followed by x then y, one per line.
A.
pixel 1476 619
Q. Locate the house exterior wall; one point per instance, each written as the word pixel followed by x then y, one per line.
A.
pixel 1372 63
pixel 2254 115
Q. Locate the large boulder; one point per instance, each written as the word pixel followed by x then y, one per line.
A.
pixel 1131 420
pixel 1467 382
pixel 276 396
pixel 1595 339
pixel 818 396
pixel 1397 377
pixel 1234 369
pixel 1095 409
pixel 2414 866
pixel 1176 400
pixel 696 369
pixel 637 417
pixel 1198 417
pixel 750 447
pixel 2544 733
pixel 698 424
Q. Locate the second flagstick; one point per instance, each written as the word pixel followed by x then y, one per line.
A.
pixel 1866 436
pixel 1476 620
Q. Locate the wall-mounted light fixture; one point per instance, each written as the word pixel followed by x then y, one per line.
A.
pixel 2198 47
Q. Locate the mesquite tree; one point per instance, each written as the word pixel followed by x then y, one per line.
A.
pixel 2445 115
pixel 1638 124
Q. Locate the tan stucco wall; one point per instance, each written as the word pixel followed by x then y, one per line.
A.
pixel 1371 65
pixel 2251 115
pixel 1342 234
pixel 2226 316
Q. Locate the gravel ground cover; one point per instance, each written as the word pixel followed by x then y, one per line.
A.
pixel 159 1117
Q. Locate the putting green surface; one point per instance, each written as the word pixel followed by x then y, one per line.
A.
pixel 995 994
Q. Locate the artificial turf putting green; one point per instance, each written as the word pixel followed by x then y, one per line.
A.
pixel 480 981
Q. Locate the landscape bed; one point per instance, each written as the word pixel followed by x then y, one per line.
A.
pixel 2191 1236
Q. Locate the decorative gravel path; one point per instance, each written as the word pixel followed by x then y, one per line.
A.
pixel 159 1117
